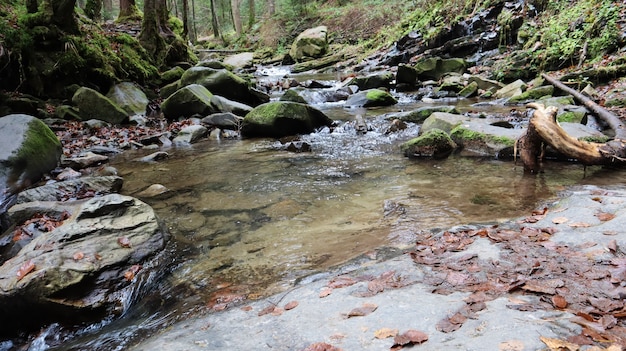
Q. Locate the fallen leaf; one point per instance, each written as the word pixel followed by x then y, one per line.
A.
pixel 123 242
pixel 291 305
pixel 559 301
pixel 605 216
pixel 445 326
pixel 546 286
pixel 559 345
pixel 410 337
pixel 325 292
pixel 246 308
pixel 612 246
pixel 559 220
pixel 362 311
pixel 24 269
pixel 130 274
pixel 78 256
pixel 385 333
pixel 267 310
pixel 580 225
pixel 321 346
pixel 340 282
pixel 277 311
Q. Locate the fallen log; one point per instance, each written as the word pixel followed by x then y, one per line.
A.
pixel 543 130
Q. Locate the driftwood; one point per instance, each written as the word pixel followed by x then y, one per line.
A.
pixel 543 130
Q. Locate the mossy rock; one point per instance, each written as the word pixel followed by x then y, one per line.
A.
pixel 421 114
pixel 482 143
pixel 28 150
pixel 407 75
pixel 470 90
pixel 436 67
pixel 372 81
pixel 66 112
pixel 320 63
pixel 172 75
pixel 93 105
pixel 293 96
pixel 129 97
pixel 435 144
pixel 312 43
pixel 188 101
pixel 533 94
pixel 512 89
pixel 558 101
pixel 224 83
pixel 282 118
pixel 442 121
pixel 371 98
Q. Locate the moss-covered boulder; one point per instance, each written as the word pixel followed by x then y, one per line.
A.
pixel 482 139
pixel 129 97
pixel 515 88
pixel 172 75
pixel 469 90
pixel 443 121
pixel 225 105
pixel 28 150
pixel 224 83
pixel 421 114
pixel 406 76
pixel 188 101
pixel 532 94
pixel 371 98
pixel 169 89
pixel 312 43
pixel 435 144
pixel 282 118
pixel 436 67
pixel 293 96
pixel 93 105
pixel 372 81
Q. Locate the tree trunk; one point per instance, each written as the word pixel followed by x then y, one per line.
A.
pixel 62 14
pixel 271 7
pixel 150 36
pixel 251 14
pixel 107 9
pixel 544 130
pixel 234 4
pixel 185 19
pixel 93 9
pixel 194 34
pixel 214 22
pixel 128 10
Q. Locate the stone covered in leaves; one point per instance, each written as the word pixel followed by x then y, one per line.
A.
pixel 434 144
pixel 282 118
pixel 93 265
pixel 28 149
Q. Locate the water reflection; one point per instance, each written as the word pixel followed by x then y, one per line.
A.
pixel 250 218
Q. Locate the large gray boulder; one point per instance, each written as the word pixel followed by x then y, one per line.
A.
pixel 188 101
pixel 282 118
pixel 93 105
pixel 129 97
pixel 28 150
pixel 94 265
pixel 312 43
pixel 224 83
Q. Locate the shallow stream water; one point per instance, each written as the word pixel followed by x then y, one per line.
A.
pixel 250 218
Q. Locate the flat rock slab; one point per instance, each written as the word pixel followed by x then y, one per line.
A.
pixel 588 216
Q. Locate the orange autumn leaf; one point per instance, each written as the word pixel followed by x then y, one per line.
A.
pixel 291 305
pixel 605 216
pixel 558 345
pixel 78 256
pixel 130 274
pixel 24 269
pixel 123 242
pixel 385 333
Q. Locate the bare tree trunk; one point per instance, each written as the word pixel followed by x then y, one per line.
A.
pixel 107 9
pixel 251 14
pixel 234 4
pixel 185 19
pixel 194 34
pixel 62 14
pixel 128 10
pixel 271 7
pixel 214 22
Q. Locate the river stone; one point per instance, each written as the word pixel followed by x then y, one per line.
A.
pixel 371 98
pixel 224 83
pixel 93 105
pixel 312 43
pixel 512 89
pixel 241 60
pixel 129 97
pixel 532 94
pixel 442 121
pixel 84 160
pixel 72 189
pixel 224 120
pixel 435 144
pixel 94 265
pixel 436 67
pixel 225 105
pixel 282 118
pixel 172 75
pixel 407 75
pixel 67 113
pixel 154 157
pixel 484 83
pixel 375 80
pixel 293 96
pixel 476 137
pixel 153 191
pixel 190 134
pixel 419 115
pixel 28 150
pixel 470 90
pixel 169 89
pixel 319 63
pixel 188 101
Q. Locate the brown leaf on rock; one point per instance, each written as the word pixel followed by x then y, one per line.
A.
pixel 25 269
pixel 325 292
pixel 385 333
pixel 410 337
pixel 124 242
pixel 605 216
pixel 559 345
pixel 267 310
pixel 605 305
pixel 78 256
pixel 580 225
pixel 446 326
pixel 559 301
pixel 545 286
pixel 130 274
pixel 341 282
pixel 559 220
pixel 321 346
pixel 362 311
pixel 291 305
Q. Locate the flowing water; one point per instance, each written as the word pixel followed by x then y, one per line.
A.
pixel 250 218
